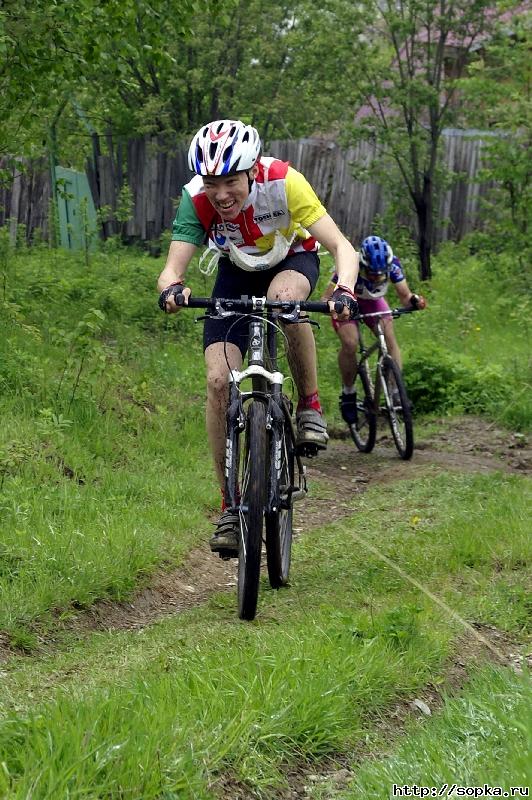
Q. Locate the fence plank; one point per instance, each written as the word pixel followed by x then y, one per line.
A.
pixel 156 173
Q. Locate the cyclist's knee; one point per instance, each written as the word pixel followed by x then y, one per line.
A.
pixel 348 349
pixel 348 335
pixel 289 285
pixel 217 380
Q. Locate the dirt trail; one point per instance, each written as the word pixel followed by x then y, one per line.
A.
pixel 464 444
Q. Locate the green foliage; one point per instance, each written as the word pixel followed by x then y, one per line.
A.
pixel 5 261
pixel 411 97
pixel 497 94
pixel 83 358
pixel 160 78
pixel 442 382
pixel 171 707
pixel 470 353
pixel 402 627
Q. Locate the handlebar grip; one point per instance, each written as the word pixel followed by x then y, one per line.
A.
pixel 322 307
pixel 338 307
pixel 200 302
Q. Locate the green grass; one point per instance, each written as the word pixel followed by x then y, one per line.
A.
pixel 174 706
pixel 482 737
pixel 106 478
pixel 102 441
pixel 240 702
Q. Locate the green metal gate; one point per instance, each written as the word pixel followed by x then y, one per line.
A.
pixel 75 210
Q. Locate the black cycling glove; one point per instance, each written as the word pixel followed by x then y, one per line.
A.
pixel 173 290
pixel 417 302
pixel 345 296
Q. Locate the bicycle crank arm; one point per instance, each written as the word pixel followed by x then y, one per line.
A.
pixel 300 492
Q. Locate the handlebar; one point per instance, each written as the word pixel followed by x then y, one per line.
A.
pixel 392 312
pixel 248 305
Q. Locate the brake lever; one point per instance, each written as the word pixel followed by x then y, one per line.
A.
pixel 295 319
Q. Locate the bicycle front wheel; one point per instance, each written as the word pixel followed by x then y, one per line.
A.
pixel 279 522
pixel 253 481
pixel 397 407
pixel 364 430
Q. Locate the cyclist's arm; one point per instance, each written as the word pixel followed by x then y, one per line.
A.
pixel 177 261
pixel 405 295
pixel 306 209
pixel 403 292
pixel 344 254
pixel 187 234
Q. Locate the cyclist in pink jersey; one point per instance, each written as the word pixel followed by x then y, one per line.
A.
pixel 378 268
pixel 263 224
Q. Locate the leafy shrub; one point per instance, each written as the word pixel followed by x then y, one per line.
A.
pixel 20 371
pixel 439 381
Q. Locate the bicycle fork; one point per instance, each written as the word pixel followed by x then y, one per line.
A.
pixel 281 496
pixel 380 383
pixel 278 496
pixel 235 424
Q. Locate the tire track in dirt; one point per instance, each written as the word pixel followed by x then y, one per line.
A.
pixel 336 771
pixel 464 444
pixel 469 445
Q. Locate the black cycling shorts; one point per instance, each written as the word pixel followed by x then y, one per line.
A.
pixel 233 282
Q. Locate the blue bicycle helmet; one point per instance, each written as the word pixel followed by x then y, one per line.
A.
pixel 376 255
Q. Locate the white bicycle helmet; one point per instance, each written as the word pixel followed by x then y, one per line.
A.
pixel 223 147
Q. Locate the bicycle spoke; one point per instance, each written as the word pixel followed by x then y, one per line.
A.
pixel 364 430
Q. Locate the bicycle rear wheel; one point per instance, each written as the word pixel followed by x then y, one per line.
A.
pixel 279 522
pixel 364 431
pixel 398 407
pixel 253 481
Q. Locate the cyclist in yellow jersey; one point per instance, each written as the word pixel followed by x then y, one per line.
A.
pixel 263 224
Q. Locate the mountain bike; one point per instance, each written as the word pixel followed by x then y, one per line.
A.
pixel 264 473
pixel 386 393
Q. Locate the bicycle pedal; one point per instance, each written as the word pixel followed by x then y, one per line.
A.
pixel 308 450
pixel 227 555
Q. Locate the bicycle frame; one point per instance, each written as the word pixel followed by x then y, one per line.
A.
pixel 365 354
pixel 378 345
pixel 267 387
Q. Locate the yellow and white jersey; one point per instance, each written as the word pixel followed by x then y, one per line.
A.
pixel 281 199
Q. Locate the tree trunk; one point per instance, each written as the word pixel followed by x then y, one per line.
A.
pixel 424 228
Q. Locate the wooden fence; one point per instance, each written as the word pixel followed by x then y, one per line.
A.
pixel 25 197
pixel 156 173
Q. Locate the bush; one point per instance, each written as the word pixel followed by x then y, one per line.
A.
pixel 439 381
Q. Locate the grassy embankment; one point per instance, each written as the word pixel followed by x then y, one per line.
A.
pixel 105 475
